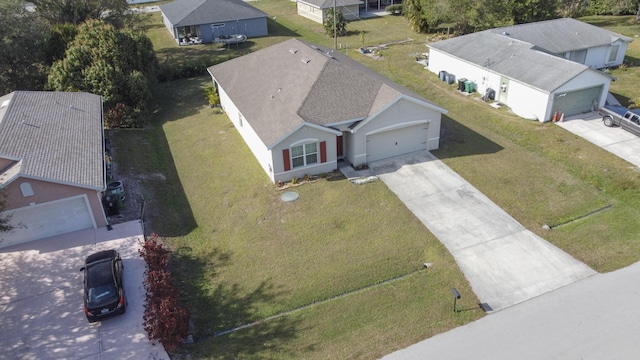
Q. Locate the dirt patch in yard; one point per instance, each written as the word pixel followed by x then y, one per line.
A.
pixel 133 206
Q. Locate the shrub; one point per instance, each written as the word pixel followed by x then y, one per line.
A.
pixel 395 9
pixel 164 319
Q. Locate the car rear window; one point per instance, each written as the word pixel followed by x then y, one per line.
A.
pixel 99 274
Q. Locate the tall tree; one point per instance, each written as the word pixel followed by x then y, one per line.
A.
pixel 526 11
pixel 78 11
pixel 415 13
pixel 340 23
pixel 22 58
pixel 119 65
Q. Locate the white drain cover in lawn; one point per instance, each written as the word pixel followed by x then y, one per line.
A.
pixel 289 196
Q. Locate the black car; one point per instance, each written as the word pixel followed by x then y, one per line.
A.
pixel 103 289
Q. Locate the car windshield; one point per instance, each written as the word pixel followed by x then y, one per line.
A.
pixel 100 283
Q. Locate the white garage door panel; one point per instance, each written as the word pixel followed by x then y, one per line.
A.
pixel 48 219
pixel 397 142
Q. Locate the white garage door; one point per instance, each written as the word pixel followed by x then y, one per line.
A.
pixel 397 142
pixel 48 219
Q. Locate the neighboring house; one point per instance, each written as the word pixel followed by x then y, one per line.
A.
pixel 208 19
pixel 536 69
pixel 301 109
pixel 573 40
pixel 52 163
pixel 316 10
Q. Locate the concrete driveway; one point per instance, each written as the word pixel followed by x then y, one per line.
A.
pixel 41 308
pixel 613 139
pixel 504 262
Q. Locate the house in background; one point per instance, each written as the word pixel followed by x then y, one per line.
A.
pixel 209 19
pixel 573 40
pixel 316 10
pixel 537 69
pixel 52 163
pixel 302 108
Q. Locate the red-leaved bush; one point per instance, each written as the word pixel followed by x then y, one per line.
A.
pixel 164 319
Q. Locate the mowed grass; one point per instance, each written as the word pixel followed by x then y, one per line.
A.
pixel 242 255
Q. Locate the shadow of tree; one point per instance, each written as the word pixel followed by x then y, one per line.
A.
pixel 458 140
pixel 222 312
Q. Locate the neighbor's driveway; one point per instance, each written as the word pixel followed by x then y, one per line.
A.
pixel 41 308
pixel 504 262
pixel 613 139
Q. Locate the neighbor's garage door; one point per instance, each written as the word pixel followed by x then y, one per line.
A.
pixel 48 219
pixel 576 102
pixel 397 142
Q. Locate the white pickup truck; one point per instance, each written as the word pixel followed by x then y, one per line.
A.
pixel 623 117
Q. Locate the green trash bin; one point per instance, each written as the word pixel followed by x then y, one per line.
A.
pixel 469 86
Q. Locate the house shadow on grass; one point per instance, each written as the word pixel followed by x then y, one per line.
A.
pixel 226 323
pixel 457 140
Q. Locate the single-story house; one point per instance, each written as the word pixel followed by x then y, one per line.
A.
pixel 573 40
pixel 302 108
pixel 316 10
pixel 535 82
pixel 208 19
pixel 52 163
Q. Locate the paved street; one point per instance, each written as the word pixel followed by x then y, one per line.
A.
pixel 593 319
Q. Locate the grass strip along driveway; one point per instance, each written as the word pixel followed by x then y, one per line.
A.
pixel 242 255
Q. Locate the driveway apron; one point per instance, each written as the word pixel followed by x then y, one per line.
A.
pixel 504 262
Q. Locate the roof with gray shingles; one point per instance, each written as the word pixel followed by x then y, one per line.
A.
pixel 198 12
pixel 512 58
pixel 561 35
pixel 284 86
pixel 56 136
pixel 325 4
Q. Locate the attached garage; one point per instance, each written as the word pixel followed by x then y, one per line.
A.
pixel 398 141
pixel 577 102
pixel 49 219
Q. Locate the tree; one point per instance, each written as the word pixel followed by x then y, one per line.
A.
pixel 78 11
pixel 117 64
pixel 341 24
pixel 527 11
pixel 5 220
pixel 22 59
pixel 413 12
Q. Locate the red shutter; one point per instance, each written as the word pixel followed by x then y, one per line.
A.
pixel 285 160
pixel 323 151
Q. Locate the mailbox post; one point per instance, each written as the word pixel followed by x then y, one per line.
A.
pixel 456 296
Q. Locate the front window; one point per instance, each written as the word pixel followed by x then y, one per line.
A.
pixel 305 154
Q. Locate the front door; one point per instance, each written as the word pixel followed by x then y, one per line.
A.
pixel 504 90
pixel 339 147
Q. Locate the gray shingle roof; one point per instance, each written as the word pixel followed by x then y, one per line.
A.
pixel 281 87
pixel 197 12
pixel 513 58
pixel 561 35
pixel 325 4
pixel 57 136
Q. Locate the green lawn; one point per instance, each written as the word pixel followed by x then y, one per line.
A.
pixel 242 255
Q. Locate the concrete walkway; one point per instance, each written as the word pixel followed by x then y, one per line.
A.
pixel 504 262
pixel 596 318
pixel 613 139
